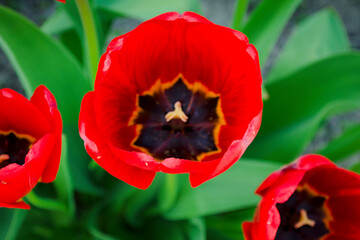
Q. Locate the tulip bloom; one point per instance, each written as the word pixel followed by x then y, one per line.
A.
pixel 309 199
pixel 178 94
pixel 30 143
pixel 63 1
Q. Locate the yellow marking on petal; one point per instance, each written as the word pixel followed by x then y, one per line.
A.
pixel 304 220
pixel 4 157
pixel 177 113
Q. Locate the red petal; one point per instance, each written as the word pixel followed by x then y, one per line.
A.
pixel 102 154
pixel 247 228
pixel 17 180
pixel 19 204
pixel 266 220
pixel 343 192
pixel 46 103
pixel 21 116
pixel 233 153
pixel 291 174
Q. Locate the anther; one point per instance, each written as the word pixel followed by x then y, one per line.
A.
pixel 177 113
pixel 304 220
pixel 4 157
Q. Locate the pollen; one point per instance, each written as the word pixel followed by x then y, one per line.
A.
pixel 177 113
pixel 304 220
pixel 4 157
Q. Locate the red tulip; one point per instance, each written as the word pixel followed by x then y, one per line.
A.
pixel 30 143
pixel 178 94
pixel 309 199
pixel 63 1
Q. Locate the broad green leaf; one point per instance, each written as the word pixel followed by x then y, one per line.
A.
pixel 57 23
pixel 144 9
pixel 299 103
pixel 267 22
pixel 11 221
pixel 38 59
pixel 343 146
pixel 229 225
pixel 229 191
pixel 301 49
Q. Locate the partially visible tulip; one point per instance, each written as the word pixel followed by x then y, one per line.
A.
pixel 30 143
pixel 310 199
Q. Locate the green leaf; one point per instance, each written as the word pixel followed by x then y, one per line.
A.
pixel 300 50
pixel 139 203
pixel 229 225
pixel 241 7
pixel 229 191
pixel 195 229
pixel 343 146
pixel 356 168
pixel 91 224
pixel 57 23
pixel 11 221
pixel 267 22
pixel 89 29
pixel 299 103
pixel 38 59
pixel 144 9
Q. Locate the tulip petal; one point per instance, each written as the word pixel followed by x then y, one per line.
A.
pixel 102 154
pixel 45 102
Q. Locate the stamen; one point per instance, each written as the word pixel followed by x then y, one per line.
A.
pixel 4 157
pixel 304 220
pixel 177 113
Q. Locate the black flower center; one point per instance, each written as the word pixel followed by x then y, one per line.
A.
pixel 13 148
pixel 303 216
pixel 178 120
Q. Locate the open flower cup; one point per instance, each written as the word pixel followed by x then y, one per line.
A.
pixel 309 199
pixel 178 94
pixel 30 144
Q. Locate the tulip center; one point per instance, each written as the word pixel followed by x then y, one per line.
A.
pixel 303 216
pixel 178 119
pixel 14 147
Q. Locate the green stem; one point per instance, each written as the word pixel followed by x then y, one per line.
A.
pixel 63 185
pixel 91 39
pixel 169 192
pixel 239 13
pixel 15 224
pixel 45 203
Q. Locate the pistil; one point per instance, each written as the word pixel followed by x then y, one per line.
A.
pixel 177 113
pixel 304 220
